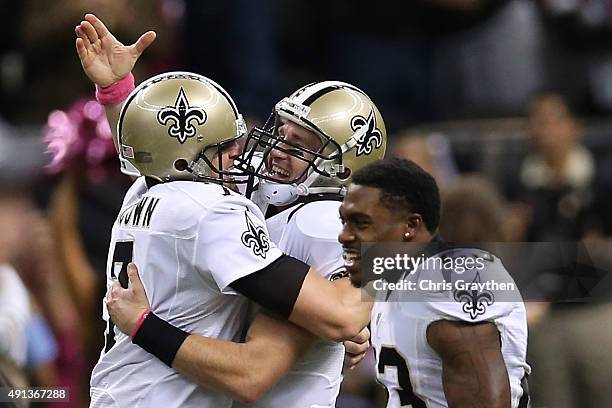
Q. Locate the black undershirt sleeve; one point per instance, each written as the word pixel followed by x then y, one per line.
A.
pixel 275 287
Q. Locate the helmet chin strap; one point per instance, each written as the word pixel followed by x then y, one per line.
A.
pixel 281 194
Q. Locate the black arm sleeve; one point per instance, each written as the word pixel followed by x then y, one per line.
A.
pixel 276 287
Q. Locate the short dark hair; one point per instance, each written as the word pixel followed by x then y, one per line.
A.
pixel 404 186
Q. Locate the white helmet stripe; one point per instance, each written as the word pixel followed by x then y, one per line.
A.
pixel 306 93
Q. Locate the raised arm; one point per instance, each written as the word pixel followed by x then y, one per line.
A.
pixel 105 59
pixel 473 370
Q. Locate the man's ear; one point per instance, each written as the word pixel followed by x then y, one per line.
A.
pixel 412 224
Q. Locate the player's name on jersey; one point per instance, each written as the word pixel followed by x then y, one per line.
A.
pixel 441 286
pixel 139 214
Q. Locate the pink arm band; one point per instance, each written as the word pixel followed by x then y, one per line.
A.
pixel 141 320
pixel 117 92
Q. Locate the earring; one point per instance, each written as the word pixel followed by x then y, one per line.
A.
pixel 407 235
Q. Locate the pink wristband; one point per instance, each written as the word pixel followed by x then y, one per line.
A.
pixel 117 92
pixel 141 320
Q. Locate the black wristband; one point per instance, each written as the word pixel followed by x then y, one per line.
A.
pixel 160 338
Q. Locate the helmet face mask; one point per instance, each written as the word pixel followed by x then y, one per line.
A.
pixel 264 140
pixel 210 161
pixel 177 126
pixel 350 127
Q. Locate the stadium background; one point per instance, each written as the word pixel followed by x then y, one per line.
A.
pixel 482 93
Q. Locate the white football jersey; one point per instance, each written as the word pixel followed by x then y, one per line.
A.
pixel 190 241
pixel 15 315
pixel 309 232
pixel 407 365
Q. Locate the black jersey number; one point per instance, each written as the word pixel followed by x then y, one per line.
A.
pixel 390 357
pixel 122 256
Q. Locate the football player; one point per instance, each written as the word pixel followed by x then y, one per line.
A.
pixel 175 127
pixel 303 159
pixel 317 138
pixel 448 347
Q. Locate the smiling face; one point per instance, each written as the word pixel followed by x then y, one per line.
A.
pixel 365 219
pixel 285 167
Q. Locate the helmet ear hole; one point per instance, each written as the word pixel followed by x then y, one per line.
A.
pixel 346 174
pixel 181 164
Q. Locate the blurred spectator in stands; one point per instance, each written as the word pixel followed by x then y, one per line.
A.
pixel 571 348
pixel 28 345
pixel 16 167
pixel 47 73
pixel 83 207
pixel 16 312
pixel 42 274
pixel 11 60
pixel 431 151
pixel 42 350
pixel 80 143
pixel 556 177
pixel 420 60
pixel 598 219
pixel 571 358
pixel 54 347
pixel 38 340
pixel 473 211
pixel 433 59
pixel 578 35
pixel 15 309
pixel 474 75
pixel 237 43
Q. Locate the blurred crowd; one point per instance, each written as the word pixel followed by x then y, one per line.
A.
pixel 506 102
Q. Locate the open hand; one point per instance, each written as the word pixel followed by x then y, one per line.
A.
pixel 106 60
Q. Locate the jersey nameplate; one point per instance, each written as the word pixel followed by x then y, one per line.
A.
pixel 139 215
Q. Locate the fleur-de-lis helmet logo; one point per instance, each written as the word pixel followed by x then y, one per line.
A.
pixel 474 301
pixel 255 238
pixel 371 138
pixel 182 117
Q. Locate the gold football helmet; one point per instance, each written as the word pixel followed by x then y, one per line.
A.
pixel 352 133
pixel 172 126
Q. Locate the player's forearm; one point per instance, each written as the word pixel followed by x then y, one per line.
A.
pixel 356 301
pixel 334 311
pixel 224 366
pixel 244 370
pixel 112 115
pixel 356 308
